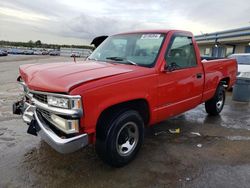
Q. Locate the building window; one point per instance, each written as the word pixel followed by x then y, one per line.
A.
pixel 247 49
pixel 207 51
pixel 229 51
pixel 218 51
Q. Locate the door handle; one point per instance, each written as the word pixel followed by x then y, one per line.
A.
pixel 199 75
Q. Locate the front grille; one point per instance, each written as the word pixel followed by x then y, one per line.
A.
pixel 40 97
pixel 45 114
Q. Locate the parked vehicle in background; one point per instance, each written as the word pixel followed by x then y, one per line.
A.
pixel 131 81
pixel 38 52
pixel 28 52
pixel 54 53
pixel 15 51
pixel 45 52
pixel 12 51
pixel 20 51
pixel 3 53
pixel 75 54
pixel 243 61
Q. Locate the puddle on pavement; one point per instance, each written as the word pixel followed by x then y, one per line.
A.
pixel 236 176
pixel 234 115
pixel 238 138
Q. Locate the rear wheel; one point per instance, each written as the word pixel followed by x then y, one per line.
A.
pixel 120 138
pixel 215 105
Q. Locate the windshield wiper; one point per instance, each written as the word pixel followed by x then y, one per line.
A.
pixel 122 59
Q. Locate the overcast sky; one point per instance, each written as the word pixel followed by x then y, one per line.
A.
pixel 78 21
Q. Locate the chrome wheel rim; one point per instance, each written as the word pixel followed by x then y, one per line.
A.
pixel 220 101
pixel 127 139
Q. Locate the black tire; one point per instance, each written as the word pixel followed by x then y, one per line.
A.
pixel 215 105
pixel 116 132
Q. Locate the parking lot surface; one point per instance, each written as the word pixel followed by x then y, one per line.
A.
pixel 208 151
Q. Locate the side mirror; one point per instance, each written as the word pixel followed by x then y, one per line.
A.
pixel 173 66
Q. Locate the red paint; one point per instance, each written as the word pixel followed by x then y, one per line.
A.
pixel 102 85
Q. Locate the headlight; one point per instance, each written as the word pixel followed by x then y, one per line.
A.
pixel 58 102
pixel 68 103
pixel 66 125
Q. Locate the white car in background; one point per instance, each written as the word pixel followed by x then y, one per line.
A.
pixel 243 61
pixel 38 52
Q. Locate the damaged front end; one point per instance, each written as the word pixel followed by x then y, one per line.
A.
pixel 54 117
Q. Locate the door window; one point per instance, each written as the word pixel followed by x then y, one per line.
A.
pixel 181 53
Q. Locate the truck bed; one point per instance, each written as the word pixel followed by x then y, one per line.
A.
pixel 214 70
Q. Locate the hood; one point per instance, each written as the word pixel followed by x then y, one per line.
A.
pixel 62 77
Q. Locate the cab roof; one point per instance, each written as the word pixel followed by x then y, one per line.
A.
pixel 164 31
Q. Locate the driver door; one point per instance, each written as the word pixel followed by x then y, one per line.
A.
pixel 180 87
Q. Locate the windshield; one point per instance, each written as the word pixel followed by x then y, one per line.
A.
pixel 241 59
pixel 137 49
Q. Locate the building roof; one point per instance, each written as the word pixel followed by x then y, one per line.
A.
pixel 227 35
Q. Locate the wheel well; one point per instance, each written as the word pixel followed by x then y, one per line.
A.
pixel 140 105
pixel 225 82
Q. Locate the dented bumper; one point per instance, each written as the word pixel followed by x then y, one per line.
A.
pixel 37 126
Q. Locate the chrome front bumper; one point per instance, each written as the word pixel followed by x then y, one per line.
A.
pixel 62 145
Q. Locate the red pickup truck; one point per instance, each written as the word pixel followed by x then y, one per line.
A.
pixel 131 81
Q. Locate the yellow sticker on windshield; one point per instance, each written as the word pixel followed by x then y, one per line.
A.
pixel 150 36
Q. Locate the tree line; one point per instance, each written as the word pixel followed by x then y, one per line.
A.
pixel 39 44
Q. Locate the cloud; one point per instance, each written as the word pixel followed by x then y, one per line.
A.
pixel 22 15
pixel 223 14
pixel 71 21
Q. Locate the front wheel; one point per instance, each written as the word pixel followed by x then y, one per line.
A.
pixel 121 138
pixel 215 105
